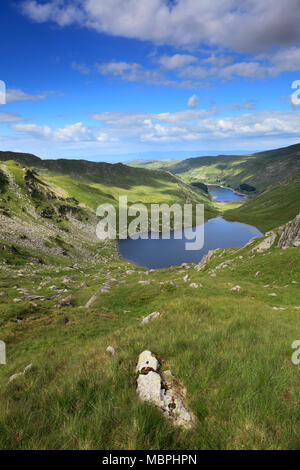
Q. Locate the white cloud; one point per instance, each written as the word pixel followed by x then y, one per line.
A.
pixel 133 72
pixel 13 95
pixel 193 101
pixel 198 124
pixel 176 61
pixel 70 133
pixel 9 117
pixel 249 26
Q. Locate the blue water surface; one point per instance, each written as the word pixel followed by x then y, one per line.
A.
pixel 218 233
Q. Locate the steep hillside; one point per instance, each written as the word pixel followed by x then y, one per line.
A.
pixel 273 207
pixel 55 213
pixel 228 342
pixel 259 170
pixel 93 183
pixel 225 332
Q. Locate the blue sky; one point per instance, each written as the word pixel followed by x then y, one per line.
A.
pixel 148 78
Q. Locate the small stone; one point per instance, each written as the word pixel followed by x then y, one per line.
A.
pixel 236 289
pixel 111 350
pixel 150 317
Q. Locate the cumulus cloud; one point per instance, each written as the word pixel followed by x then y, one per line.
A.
pixel 194 125
pixel 70 133
pixel 257 125
pixel 193 101
pixel 268 32
pixel 246 26
pixel 191 127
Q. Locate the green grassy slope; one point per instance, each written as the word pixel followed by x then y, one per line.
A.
pixel 272 208
pixel 231 350
pixel 93 183
pixel 259 169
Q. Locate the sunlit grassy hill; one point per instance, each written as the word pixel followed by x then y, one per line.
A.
pixel 93 183
pixel 225 331
pixel 259 169
pixel 273 207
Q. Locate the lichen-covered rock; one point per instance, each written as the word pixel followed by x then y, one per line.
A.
pixel 147 361
pixel 162 390
pixel 149 388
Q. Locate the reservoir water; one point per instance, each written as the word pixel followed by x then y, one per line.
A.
pixel 218 233
pixel 154 254
pixel 220 194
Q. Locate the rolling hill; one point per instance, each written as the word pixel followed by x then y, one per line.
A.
pixel 259 170
pixel 273 207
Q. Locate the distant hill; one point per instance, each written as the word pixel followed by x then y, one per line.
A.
pixel 273 207
pixel 93 183
pixel 258 170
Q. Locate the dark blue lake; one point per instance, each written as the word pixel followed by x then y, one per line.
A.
pixel 220 194
pixel 154 254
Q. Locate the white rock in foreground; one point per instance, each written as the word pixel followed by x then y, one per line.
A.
pixel 146 360
pixel 162 391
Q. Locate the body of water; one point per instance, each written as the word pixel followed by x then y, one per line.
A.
pixel 154 254
pixel 220 194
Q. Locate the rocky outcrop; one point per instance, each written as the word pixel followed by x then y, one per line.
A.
pixel 206 259
pixel 290 234
pixel 266 243
pixel 162 390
